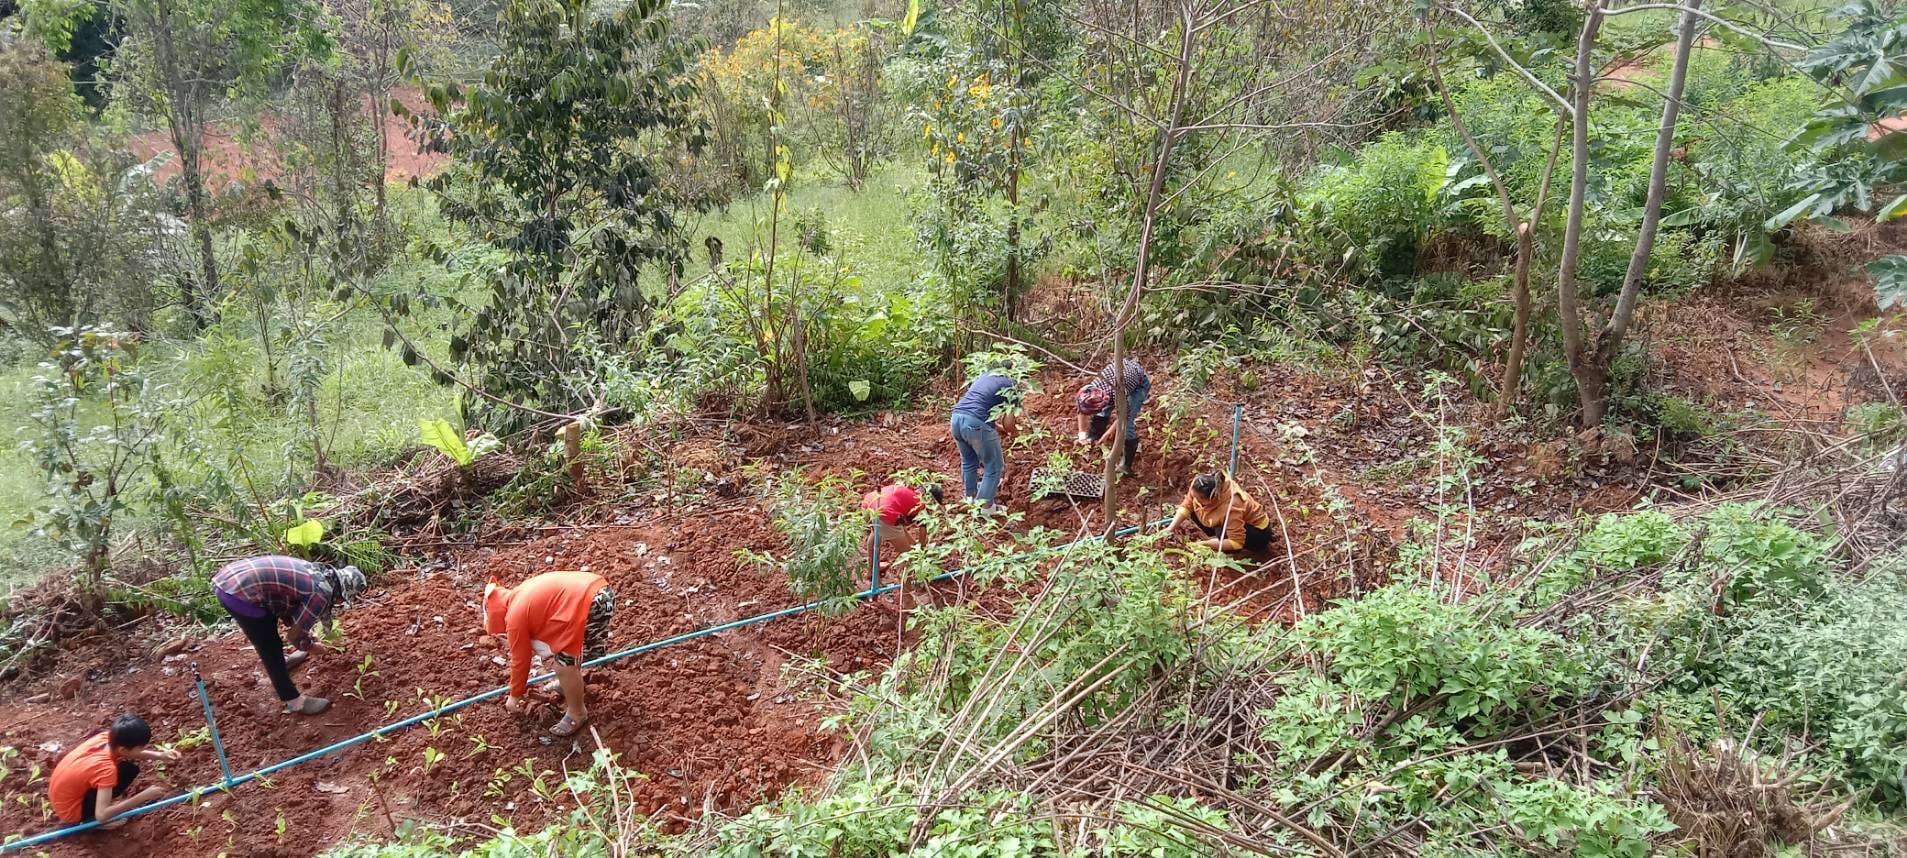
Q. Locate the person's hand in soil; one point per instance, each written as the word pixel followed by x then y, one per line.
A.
pixel 144 797
pixel 159 755
pixel 512 703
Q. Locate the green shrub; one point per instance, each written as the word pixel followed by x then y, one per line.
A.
pixel 1404 642
pixel 1879 424
pixel 1384 202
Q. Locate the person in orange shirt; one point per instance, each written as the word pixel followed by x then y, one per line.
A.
pixel 559 615
pixel 91 781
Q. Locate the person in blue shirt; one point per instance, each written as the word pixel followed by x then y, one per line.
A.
pixel 978 419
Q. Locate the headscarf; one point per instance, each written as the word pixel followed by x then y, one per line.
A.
pixel 1094 399
pixel 496 607
pixel 347 582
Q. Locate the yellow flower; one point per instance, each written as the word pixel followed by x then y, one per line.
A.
pixel 950 156
pixel 953 81
pixel 960 137
pixel 996 122
pixel 927 131
pixel 980 91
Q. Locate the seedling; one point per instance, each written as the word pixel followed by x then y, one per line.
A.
pixel 390 708
pixel 364 672
pixel 189 739
pixel 479 745
pixel 280 824
pixel 432 757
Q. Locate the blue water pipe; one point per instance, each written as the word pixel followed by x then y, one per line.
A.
pixel 874 557
pixel 230 782
pixel 1238 417
pixel 211 723
pixel 874 589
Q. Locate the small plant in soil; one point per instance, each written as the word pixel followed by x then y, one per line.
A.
pixel 280 825
pixel 189 739
pixel 364 672
pixel 432 757
pixel 479 746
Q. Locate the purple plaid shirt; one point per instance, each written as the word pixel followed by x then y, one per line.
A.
pixel 290 589
pixel 1134 377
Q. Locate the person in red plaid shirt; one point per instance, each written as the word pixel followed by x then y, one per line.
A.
pixel 261 592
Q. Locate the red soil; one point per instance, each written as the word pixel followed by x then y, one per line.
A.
pixel 231 157
pixel 713 725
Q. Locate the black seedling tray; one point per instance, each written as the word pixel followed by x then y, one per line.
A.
pixel 1078 484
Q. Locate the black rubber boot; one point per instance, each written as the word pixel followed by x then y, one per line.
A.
pixel 1132 456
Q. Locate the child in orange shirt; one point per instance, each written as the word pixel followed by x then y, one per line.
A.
pixel 91 781
pixel 560 615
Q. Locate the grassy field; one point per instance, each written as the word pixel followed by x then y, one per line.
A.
pixel 873 228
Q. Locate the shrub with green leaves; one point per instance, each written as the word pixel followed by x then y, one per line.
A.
pixel 1384 202
pixel 824 526
pixel 1404 642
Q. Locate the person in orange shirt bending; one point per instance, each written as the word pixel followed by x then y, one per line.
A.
pixel 560 615
pixel 91 781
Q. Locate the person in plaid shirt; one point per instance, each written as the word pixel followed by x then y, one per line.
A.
pixel 1096 405
pixel 261 592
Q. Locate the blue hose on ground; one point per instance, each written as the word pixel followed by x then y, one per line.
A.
pixel 230 782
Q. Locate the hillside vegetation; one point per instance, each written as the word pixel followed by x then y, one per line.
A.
pixel 1558 339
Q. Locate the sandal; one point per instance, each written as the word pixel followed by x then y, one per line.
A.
pixel 296 659
pixel 309 706
pixel 568 726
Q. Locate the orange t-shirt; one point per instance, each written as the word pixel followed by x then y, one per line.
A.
pixel 89 766
pixel 553 608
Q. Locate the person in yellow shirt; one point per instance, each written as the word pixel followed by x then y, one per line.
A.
pixel 1230 519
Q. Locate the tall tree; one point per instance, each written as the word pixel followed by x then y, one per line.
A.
pixel 177 60
pixel 555 167
pixel 76 223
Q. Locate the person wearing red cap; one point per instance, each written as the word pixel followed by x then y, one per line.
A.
pixel 896 507
pixel 563 616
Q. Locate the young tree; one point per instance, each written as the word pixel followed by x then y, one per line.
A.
pixel 176 60
pixel 554 167
pixel 90 460
pixel 76 226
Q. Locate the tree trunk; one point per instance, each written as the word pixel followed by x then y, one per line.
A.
pixel 1155 192
pixel 1611 339
pixel 1587 372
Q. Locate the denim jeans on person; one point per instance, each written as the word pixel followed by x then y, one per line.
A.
pixel 1135 400
pixel 982 461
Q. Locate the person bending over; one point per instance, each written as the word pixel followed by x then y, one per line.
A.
pixel 90 783
pixel 261 592
pixel 563 616
pixel 1096 406
pixel 897 506
pixel 978 419
pixel 1230 519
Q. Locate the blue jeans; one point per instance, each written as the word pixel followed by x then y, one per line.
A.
pixel 1135 400
pixel 979 445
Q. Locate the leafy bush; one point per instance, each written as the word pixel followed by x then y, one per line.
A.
pixel 1403 643
pixel 1384 202
pixel 1880 424
pixel 824 532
